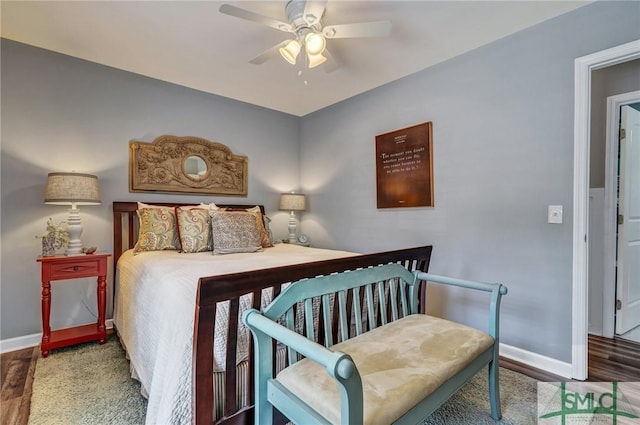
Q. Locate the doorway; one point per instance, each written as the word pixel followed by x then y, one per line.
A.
pixel 621 289
pixel 627 323
pixel 582 120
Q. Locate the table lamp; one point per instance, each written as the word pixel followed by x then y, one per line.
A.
pixel 72 189
pixel 292 202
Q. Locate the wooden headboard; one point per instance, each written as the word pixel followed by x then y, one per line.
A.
pixel 125 223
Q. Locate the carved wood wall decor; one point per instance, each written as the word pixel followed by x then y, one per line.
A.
pixel 186 165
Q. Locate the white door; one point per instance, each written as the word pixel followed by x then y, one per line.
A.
pixel 628 266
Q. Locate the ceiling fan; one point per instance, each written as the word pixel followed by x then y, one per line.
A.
pixel 304 22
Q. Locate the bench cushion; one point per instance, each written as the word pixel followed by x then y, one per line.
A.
pixel 403 361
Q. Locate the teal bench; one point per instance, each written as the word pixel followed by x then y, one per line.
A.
pixel 363 354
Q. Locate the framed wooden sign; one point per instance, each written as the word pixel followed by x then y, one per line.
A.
pixel 404 167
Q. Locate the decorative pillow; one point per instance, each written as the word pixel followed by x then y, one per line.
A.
pixel 142 205
pixel 157 230
pixel 234 232
pixel 267 220
pixel 194 229
pixel 265 238
pixel 211 206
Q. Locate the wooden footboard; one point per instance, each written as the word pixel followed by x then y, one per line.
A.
pixel 212 290
pixel 231 287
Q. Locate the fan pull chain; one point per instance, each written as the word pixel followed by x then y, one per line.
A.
pixel 300 75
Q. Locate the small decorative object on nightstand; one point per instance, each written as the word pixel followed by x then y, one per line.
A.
pixel 303 240
pixel 55 237
pixel 74 267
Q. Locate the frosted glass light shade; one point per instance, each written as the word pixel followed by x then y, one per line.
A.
pixel 290 51
pixel 314 43
pixel 315 60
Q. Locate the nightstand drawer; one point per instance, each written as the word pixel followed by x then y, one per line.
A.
pixel 72 267
pixel 74 270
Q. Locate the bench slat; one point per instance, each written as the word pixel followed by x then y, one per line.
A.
pixel 357 311
pixel 370 308
pixel 382 302
pixel 342 305
pixel 326 317
pixel 308 318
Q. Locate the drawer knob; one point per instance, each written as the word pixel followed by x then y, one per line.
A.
pixel 75 268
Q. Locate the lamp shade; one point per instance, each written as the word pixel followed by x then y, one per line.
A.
pixel 293 202
pixel 290 51
pixel 315 60
pixel 72 188
pixel 314 43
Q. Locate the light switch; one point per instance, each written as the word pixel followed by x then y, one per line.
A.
pixel 554 214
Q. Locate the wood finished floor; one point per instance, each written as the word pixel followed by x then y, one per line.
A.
pixel 16 380
pixel 609 360
pixel 613 359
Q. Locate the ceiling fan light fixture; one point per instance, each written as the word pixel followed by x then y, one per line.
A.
pixel 290 51
pixel 315 60
pixel 314 43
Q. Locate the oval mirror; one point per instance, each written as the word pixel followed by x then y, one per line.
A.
pixel 195 168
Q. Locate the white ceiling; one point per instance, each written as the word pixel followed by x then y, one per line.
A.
pixel 190 43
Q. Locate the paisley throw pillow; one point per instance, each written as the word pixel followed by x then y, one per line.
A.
pixel 157 230
pixel 194 229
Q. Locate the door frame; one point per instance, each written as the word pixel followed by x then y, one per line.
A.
pixel 614 103
pixel 583 67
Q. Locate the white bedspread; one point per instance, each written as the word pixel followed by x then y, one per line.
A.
pixel 154 316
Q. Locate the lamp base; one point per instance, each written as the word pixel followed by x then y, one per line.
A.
pixel 75 231
pixel 292 227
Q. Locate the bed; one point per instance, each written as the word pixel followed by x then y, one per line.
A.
pixel 178 316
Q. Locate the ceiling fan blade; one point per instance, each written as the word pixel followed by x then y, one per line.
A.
pixel 332 63
pixel 230 10
pixel 313 11
pixel 363 29
pixel 272 52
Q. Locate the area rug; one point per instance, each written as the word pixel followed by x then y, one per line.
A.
pixel 470 405
pixel 89 384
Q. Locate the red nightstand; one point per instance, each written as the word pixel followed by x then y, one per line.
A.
pixel 73 267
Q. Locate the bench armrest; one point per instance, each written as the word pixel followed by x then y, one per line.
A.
pixel 497 291
pixel 481 286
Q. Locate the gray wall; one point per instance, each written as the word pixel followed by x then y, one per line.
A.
pixel 64 114
pixel 503 146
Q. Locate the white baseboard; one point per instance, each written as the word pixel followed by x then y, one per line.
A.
pixel 18 343
pixel 14 344
pixel 538 361
pixel 513 353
